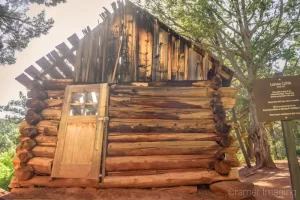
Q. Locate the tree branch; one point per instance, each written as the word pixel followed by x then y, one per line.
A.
pixel 239 74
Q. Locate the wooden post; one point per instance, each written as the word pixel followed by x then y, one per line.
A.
pixel 290 146
pixel 238 135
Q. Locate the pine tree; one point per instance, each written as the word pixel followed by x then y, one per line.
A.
pixel 17 29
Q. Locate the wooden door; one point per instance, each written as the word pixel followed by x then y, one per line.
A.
pixel 78 153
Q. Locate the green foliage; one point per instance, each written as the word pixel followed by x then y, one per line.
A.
pixel 298 151
pixel 249 36
pixel 277 145
pixel 240 156
pixel 47 3
pixel 6 168
pixel 15 109
pixel 8 140
pixel 17 29
pixel 9 136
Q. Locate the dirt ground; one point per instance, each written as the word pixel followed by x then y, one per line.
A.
pixel 270 184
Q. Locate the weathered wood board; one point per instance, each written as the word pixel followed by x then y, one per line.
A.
pixel 129 45
pixel 80 137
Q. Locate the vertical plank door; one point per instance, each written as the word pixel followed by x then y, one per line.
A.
pixel 78 153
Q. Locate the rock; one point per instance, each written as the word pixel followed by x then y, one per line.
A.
pixel 234 190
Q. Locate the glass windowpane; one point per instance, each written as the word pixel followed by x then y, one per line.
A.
pixel 92 97
pixel 76 110
pixel 91 110
pixel 78 98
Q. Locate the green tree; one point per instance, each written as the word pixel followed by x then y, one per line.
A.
pixel 17 29
pixel 15 109
pixel 9 136
pixel 15 113
pixel 248 36
pixel 47 3
pixel 6 168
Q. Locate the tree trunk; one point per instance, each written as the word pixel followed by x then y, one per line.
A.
pixel 259 135
pixel 250 148
pixel 272 133
pixel 248 141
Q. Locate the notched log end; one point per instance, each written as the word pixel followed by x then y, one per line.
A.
pixel 24 172
pixel 36 93
pixel 222 128
pixel 32 118
pixel 219 114
pixel 226 141
pixel 222 167
pixel 36 105
pixel 30 132
pixel 216 83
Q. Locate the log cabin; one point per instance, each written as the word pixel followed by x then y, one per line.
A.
pixel 132 104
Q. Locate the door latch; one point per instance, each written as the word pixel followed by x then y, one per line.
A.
pixel 103 118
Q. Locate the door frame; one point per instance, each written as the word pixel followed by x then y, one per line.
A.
pixel 100 120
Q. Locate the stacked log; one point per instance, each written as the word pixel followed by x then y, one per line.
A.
pixel 38 132
pixel 159 134
pixel 158 129
pixel 174 178
pixel 218 106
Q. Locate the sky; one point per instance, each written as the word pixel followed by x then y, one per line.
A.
pixel 69 18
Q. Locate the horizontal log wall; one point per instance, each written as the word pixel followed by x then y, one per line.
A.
pixel 39 130
pixel 152 134
pixel 161 128
pixel 151 123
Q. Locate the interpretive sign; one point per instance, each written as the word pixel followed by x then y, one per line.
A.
pixel 277 98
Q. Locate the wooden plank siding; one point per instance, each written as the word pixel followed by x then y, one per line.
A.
pixel 129 45
pixel 145 48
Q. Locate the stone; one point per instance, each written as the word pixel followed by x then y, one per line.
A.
pixel 234 190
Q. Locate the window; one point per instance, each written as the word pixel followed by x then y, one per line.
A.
pixel 84 103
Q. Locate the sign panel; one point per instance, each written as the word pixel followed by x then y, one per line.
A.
pixel 277 98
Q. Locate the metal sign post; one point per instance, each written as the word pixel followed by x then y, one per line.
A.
pixel 279 99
